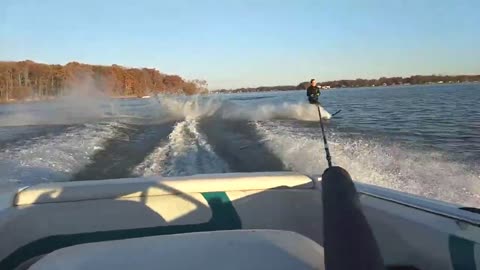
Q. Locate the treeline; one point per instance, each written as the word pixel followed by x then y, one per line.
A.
pixel 383 81
pixel 261 89
pixel 27 80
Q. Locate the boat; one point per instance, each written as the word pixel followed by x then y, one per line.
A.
pixel 261 220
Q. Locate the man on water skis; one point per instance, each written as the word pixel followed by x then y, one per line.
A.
pixel 313 92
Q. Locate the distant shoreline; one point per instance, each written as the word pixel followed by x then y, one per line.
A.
pixel 362 83
pixel 27 81
pixel 339 88
pixel 235 91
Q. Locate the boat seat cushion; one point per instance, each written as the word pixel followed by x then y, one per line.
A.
pixel 236 249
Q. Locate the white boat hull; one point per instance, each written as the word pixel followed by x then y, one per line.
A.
pixel 410 231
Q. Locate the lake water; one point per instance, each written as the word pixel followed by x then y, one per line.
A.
pixel 423 140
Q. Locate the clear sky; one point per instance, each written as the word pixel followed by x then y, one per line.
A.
pixel 234 43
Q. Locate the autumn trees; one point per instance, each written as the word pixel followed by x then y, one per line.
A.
pixel 29 80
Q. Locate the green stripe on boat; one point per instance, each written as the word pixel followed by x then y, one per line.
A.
pixel 462 253
pixel 224 217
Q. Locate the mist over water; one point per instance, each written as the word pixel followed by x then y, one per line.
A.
pixel 83 102
pixel 422 140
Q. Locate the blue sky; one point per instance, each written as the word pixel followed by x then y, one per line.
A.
pixel 234 43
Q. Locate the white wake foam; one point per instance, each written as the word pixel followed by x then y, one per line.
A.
pixel 426 174
pixel 285 110
pixel 186 153
pixel 48 159
pixel 204 106
pixel 193 107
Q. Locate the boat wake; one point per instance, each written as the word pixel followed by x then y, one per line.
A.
pixel 178 136
pixel 52 157
pixel 185 153
pixel 200 107
pixel 119 154
pixel 428 174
